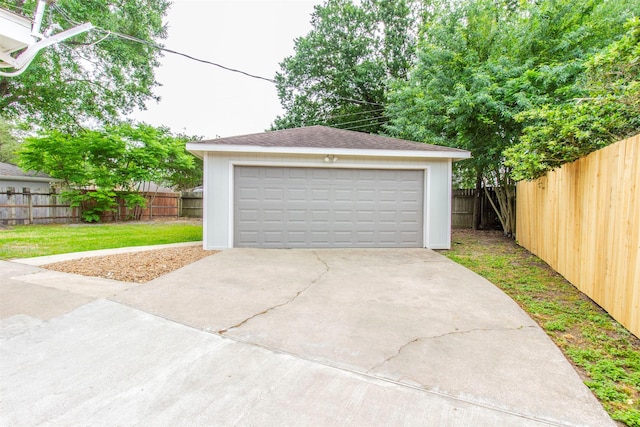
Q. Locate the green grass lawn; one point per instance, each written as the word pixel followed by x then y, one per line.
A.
pixel 605 354
pixel 26 241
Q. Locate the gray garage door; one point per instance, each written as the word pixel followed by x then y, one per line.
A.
pixel 278 207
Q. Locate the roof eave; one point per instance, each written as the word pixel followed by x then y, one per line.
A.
pixel 28 178
pixel 199 149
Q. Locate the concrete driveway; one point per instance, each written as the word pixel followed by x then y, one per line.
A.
pixel 281 337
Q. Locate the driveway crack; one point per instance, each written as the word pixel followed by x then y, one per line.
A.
pixel 290 300
pixel 456 332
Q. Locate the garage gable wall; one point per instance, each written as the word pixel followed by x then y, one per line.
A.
pixel 219 182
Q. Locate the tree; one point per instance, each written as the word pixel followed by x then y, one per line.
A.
pixel 458 94
pixel 482 64
pixel 607 110
pixel 100 166
pixel 185 175
pixel 8 143
pixel 93 77
pixel 339 71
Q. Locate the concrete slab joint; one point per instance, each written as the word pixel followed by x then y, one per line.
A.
pixel 290 300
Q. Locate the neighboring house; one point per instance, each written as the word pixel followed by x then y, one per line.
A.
pixel 152 187
pixel 319 187
pixel 16 180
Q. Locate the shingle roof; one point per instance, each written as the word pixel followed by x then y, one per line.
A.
pixel 326 137
pixel 7 169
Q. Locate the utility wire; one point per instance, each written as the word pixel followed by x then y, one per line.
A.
pixel 366 119
pixel 204 61
pixel 325 119
pixel 356 113
pixel 374 122
pixel 193 58
pixel 159 47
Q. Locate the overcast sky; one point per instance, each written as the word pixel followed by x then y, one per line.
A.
pixel 250 35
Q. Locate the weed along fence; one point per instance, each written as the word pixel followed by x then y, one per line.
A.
pixel 47 208
pixel 583 219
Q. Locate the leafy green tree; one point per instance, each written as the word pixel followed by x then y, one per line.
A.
pixel 183 176
pixel 482 64
pixel 339 71
pixel 93 77
pixel 100 166
pixel 8 143
pixel 458 93
pixel 606 109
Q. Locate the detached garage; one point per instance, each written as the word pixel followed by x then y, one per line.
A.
pixel 319 187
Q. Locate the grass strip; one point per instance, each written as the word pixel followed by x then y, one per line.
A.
pixel 605 354
pixel 25 241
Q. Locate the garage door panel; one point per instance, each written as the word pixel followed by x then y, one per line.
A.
pixel 322 195
pixel 296 194
pixel 320 236
pixel 273 216
pixel 366 196
pixel 251 193
pixel 370 175
pixel 327 207
pixel 247 173
pixel 296 216
pixel 389 181
pixel 276 174
pixel 365 217
pixel 245 237
pixel 320 175
pixel 319 216
pixel 273 194
pixel 343 194
pixel 388 218
pixel 388 195
pixel 297 174
pixel 343 216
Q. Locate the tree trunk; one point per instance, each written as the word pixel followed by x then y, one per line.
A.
pixel 506 195
pixel 477 206
pixel 507 213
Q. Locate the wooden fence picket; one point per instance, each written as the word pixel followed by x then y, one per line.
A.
pixel 583 219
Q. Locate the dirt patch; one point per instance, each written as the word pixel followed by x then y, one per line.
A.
pixel 137 267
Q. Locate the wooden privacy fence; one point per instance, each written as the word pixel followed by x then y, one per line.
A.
pixel 462 204
pixel 191 204
pixel 584 221
pixel 48 208
pixel 159 205
pixel 34 208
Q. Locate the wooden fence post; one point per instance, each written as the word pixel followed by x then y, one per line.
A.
pixel 27 191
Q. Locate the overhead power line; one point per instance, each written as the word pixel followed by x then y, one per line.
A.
pixel 109 33
pixel 175 52
pixel 159 47
pixel 204 61
pixel 375 121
